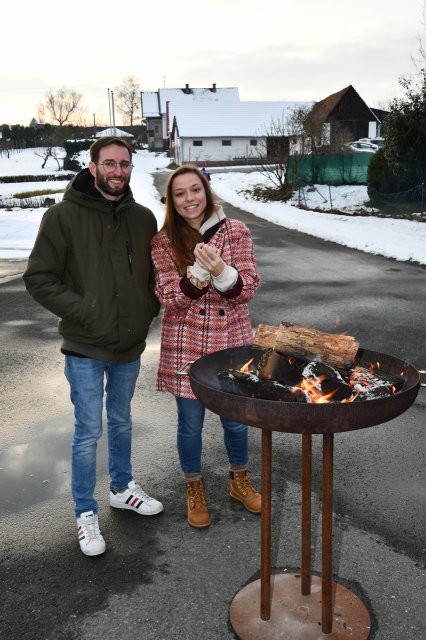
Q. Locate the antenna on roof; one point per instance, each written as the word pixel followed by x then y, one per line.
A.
pixel 164 81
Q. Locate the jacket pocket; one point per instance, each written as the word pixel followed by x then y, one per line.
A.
pixel 88 310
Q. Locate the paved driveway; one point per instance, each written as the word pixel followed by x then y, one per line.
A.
pixel 160 579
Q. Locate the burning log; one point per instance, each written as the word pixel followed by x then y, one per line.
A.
pixel 327 381
pixel 371 384
pixel 249 385
pixel 296 340
pixel 283 369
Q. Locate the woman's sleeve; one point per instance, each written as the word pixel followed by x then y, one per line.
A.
pixel 244 261
pixel 172 289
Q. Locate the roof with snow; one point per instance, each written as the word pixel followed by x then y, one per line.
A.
pixel 155 102
pixel 150 104
pixel 114 131
pixel 233 119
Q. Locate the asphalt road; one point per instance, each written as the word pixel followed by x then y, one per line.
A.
pixel 159 579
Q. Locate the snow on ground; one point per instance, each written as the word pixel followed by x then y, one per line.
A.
pixel 403 240
pixel 400 239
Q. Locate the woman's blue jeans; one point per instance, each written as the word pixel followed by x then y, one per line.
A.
pixel 189 436
pixel 86 378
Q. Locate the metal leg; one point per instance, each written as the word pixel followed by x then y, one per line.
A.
pixel 327 531
pixel 306 512
pixel 285 611
pixel 265 534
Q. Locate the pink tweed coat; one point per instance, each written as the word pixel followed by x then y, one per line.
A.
pixel 197 322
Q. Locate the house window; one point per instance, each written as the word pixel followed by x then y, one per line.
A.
pixel 151 133
pixel 253 143
pixel 156 128
pixel 197 143
pixel 226 143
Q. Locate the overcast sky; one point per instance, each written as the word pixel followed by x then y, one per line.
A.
pixel 269 49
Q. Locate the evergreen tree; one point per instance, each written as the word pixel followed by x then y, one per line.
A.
pixel 405 142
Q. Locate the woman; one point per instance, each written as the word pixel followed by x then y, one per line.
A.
pixel 205 274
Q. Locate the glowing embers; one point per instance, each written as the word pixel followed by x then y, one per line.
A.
pixel 289 379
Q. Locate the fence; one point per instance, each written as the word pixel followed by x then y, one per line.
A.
pixel 333 169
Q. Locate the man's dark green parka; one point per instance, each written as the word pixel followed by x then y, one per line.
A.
pixel 91 267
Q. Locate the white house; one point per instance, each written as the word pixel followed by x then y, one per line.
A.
pixel 157 108
pixel 227 131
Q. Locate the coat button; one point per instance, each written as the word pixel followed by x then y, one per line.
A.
pixel 221 312
pixel 202 312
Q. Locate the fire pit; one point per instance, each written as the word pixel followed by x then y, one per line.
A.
pixel 297 603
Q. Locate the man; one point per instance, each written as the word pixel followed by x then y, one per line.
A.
pixel 91 267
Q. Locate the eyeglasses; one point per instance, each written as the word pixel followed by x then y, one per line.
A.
pixel 111 165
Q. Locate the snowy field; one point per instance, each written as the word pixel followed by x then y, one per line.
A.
pixel 403 240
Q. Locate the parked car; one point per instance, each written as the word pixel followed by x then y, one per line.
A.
pixel 359 145
pixel 377 141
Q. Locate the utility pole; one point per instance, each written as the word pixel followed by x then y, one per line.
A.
pixel 109 109
pixel 113 113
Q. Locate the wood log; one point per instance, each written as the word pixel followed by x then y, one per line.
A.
pixel 265 336
pixel 336 349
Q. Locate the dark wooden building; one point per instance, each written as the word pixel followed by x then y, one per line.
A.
pixel 346 113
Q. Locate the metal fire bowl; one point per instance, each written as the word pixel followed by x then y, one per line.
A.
pixel 293 417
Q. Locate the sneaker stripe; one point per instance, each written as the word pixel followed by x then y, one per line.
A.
pixel 135 502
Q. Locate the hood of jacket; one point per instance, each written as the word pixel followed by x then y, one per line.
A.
pixel 82 188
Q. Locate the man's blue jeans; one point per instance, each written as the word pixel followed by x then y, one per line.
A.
pixel 86 378
pixel 189 436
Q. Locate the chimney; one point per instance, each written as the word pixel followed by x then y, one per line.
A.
pixel 187 89
pixel 213 87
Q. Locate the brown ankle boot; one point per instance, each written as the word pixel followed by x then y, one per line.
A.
pixel 198 514
pixel 242 490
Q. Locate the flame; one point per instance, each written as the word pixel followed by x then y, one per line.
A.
pixel 375 365
pixel 315 394
pixel 246 367
pixel 353 397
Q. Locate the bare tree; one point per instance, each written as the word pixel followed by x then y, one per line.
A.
pixel 292 135
pixel 63 106
pixel 49 152
pixel 271 152
pixel 128 99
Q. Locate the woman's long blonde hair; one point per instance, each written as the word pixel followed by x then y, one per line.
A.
pixel 182 236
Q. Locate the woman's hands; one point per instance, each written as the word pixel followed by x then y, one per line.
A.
pixel 209 258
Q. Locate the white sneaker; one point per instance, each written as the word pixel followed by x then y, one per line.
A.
pixel 89 536
pixel 136 499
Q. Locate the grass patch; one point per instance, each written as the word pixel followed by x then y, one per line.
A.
pixel 33 194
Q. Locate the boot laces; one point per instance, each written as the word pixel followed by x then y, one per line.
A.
pixel 196 494
pixel 244 483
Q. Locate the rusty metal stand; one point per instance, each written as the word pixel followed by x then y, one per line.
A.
pixel 299 606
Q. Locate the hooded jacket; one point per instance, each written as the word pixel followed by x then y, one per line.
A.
pixel 91 267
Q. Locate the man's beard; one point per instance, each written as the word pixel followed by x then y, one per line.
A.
pixel 101 184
